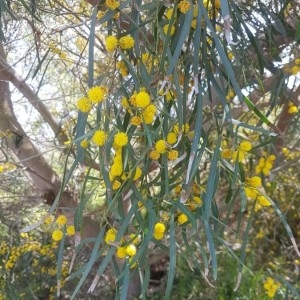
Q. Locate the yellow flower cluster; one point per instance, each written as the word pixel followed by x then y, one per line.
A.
pixel 169 29
pixel 110 236
pixel 137 173
pixel 120 139
pixel 166 146
pixel 127 247
pixel 140 100
pixel 161 147
pixel 99 138
pixel 121 66
pixel 172 154
pixel 265 165
pixel 30 246
pixel 112 4
pixel 84 104
pixel 195 202
pixel 159 231
pixel 111 43
pixel 240 152
pixel 61 220
pixel 57 235
pixel 184 129
pixel 182 218
pixel 295 70
pixel 70 230
pixel 49 219
pixel 271 286
pixel 149 61
pixel 136 121
pixel 169 13
pixel 6 167
pixel 261 201
pixel 148 114
pixel 293 109
pixel 84 143
pixel 63 55
pixel 230 94
pixel 97 93
pixel 251 190
pixel 253 182
pixel 116 168
pixel 171 138
pixel 154 155
pixel 126 42
pixel 141 104
pixel 184 6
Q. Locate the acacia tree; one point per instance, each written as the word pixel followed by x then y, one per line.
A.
pixel 183 108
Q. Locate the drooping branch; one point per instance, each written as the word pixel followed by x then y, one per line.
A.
pixel 43 177
pixel 8 74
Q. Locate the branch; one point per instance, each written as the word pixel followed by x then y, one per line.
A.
pixel 7 74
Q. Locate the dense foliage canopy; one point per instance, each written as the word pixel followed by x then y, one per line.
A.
pixel 157 132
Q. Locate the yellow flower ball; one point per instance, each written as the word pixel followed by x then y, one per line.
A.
pixel 226 153
pixel 120 139
pixel 184 6
pixel 99 138
pixel 254 181
pixel 148 114
pixel 171 138
pixel 172 154
pixel 271 286
pixel 230 55
pixel 112 4
pixel 159 227
pixel 61 220
pixel 136 121
pixel 120 65
pixel 131 250
pixel 250 192
pixel 142 99
pixel 111 43
pixel 97 93
pixel 160 146
pixel 57 235
pixel 121 252
pixel 169 13
pixel 293 109
pixel 126 42
pixel 116 169
pixel 182 218
pixel 158 235
pixel 263 201
pixel 84 143
pixel 245 146
pixel 70 230
pixel 84 104
pixel 116 185
pixel 154 155
pixel 110 235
